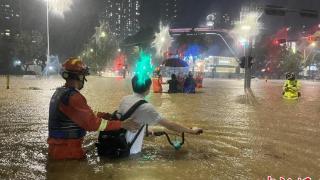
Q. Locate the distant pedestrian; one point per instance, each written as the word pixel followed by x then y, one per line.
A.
pixel 189 84
pixel 173 84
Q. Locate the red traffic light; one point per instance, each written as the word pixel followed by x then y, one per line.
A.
pixel 277 42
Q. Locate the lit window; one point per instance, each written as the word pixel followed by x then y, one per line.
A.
pixel 7 30
pixel 7 5
pixel 7 34
pixel 7 17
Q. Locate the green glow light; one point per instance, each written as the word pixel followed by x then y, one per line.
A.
pixel 144 67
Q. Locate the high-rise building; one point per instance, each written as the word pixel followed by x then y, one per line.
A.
pixel 123 17
pixel 169 10
pixel 226 21
pixel 9 18
pixel 9 29
pixel 154 11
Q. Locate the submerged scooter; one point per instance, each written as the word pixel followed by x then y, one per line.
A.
pixel 176 144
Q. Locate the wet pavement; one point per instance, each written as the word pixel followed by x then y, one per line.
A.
pixel 245 137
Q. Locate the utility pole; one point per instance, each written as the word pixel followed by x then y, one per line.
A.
pixel 247 65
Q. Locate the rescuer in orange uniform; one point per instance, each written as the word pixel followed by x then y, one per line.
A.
pixel 70 116
pixel 157 84
pixel 199 80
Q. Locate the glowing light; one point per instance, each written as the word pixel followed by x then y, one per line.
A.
pixel 294 47
pixel 162 41
pixel 91 50
pixel 245 27
pixel 119 62
pixel 210 19
pixel 313 44
pixel 50 68
pixel 193 51
pixel 103 34
pixel 249 26
pixel 144 67
pixel 17 63
pixel 59 7
pixel 243 41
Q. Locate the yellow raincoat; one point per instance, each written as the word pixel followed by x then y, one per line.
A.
pixel 291 89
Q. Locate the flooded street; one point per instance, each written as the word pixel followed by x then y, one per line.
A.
pixel 243 139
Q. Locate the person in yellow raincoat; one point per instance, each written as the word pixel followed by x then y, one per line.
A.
pixel 291 87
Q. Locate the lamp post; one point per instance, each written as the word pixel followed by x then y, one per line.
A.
pixel 48 33
pixel 57 7
pixel 248 28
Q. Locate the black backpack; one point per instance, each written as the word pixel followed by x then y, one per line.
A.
pixel 113 144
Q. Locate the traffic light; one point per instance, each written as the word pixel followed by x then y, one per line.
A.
pixel 277 42
pixel 242 62
pixel 309 13
pixel 275 10
pixel 281 11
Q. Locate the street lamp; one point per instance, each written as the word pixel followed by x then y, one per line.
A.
pixel 57 7
pixel 103 34
pixel 246 31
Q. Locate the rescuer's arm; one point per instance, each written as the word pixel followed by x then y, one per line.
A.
pixel 80 113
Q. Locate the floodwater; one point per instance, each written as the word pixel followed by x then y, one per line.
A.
pixel 245 137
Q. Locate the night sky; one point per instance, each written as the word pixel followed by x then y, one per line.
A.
pixel 69 34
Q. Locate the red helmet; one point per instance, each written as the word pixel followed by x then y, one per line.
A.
pixel 74 68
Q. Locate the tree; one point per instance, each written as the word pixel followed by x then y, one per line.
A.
pixel 275 59
pixel 30 49
pixel 101 49
pixel 290 62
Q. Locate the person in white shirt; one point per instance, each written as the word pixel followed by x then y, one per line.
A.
pixel 147 114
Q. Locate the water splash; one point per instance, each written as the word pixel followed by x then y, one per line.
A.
pixel 162 41
pixel 144 67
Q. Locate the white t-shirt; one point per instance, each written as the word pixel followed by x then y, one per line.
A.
pixel 145 114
